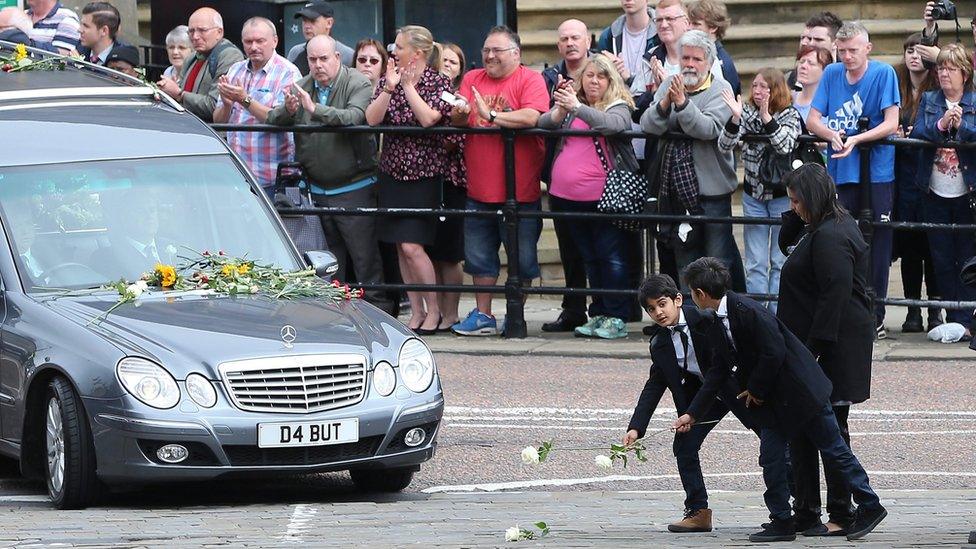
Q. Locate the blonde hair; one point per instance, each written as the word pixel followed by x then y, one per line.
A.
pixel 955 55
pixel 617 90
pixel 419 38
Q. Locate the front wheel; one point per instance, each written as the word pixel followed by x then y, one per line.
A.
pixel 69 453
pixel 382 480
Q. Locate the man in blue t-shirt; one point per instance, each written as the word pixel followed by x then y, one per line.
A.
pixel 855 88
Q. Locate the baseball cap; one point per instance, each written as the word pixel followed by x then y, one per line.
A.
pixel 314 10
pixel 129 54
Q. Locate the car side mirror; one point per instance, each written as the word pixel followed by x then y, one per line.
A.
pixel 324 263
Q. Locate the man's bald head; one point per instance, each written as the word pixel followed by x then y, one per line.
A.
pixel 324 61
pixel 15 18
pixel 206 29
pixel 574 41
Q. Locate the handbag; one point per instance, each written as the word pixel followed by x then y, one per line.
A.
pixel 774 167
pixel 625 191
pixel 306 231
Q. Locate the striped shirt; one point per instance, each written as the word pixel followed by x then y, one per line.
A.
pixel 261 151
pixel 60 28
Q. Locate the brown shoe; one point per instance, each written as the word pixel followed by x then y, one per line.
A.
pixel 696 520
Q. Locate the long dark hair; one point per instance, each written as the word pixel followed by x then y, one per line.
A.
pixel 910 97
pixel 813 187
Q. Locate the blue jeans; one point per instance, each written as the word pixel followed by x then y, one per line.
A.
pixel 950 250
pixel 483 236
pixel 603 247
pixel 717 241
pixel 824 433
pixel 882 201
pixel 764 261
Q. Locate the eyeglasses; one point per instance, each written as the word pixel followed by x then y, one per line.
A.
pixel 363 60
pixel 668 20
pixel 201 30
pixel 495 51
pixel 948 69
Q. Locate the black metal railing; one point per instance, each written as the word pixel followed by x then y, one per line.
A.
pixel 510 212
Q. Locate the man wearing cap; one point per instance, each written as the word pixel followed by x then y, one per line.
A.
pixel 317 19
pixel 100 22
pixel 214 57
pixel 124 59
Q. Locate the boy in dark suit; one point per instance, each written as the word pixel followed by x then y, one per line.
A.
pixel 781 380
pixel 680 343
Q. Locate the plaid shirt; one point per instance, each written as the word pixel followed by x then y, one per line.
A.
pixel 60 28
pixel 260 150
pixel 678 178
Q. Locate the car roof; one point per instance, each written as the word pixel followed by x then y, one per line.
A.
pixel 86 112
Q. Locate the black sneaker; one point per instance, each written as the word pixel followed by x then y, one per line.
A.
pixel 865 521
pixel 775 530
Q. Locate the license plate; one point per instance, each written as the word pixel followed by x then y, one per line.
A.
pixel 308 433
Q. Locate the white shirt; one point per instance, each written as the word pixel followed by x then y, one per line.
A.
pixel 147 249
pixel 723 313
pixel 679 350
pixel 947 181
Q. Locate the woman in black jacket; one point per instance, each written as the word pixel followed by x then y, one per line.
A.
pixel 824 301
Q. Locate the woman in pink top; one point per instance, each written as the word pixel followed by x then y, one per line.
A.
pixel 599 101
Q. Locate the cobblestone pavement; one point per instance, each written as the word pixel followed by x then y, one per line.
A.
pixel 914 437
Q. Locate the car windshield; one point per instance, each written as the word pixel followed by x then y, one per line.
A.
pixel 82 225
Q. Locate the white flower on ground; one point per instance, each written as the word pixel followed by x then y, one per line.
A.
pixel 530 455
pixel 513 533
pixel 603 462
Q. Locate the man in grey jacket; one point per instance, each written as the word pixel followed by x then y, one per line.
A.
pixel 197 88
pixel 691 103
pixel 339 167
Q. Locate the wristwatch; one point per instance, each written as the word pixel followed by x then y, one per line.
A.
pixel 492 114
pixel 246 101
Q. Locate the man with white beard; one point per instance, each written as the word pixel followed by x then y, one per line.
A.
pixel 697 178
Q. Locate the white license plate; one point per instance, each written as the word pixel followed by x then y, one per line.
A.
pixel 308 433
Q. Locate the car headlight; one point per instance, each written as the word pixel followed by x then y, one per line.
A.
pixel 416 365
pixel 201 390
pixel 149 382
pixel 384 379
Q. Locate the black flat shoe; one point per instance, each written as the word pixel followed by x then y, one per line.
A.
pixel 424 332
pixel 565 323
pixel 865 521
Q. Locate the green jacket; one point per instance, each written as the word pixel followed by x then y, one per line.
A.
pixel 333 160
pixel 202 99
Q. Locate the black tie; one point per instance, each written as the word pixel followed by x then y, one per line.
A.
pixel 684 345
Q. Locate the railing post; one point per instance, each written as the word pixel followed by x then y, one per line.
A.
pixel 514 297
pixel 866 213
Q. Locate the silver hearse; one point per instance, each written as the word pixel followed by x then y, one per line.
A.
pixel 99 179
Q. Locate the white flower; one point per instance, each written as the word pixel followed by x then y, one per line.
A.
pixel 530 455
pixel 603 462
pixel 513 533
pixel 135 289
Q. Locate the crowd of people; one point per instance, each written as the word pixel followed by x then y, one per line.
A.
pixel 657 68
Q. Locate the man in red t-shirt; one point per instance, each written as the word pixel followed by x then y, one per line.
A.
pixel 503 94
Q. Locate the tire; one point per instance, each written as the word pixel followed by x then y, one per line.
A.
pixel 69 454
pixel 382 480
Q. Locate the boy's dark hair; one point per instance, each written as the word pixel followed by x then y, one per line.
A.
pixel 825 19
pixel 104 15
pixel 655 286
pixel 709 275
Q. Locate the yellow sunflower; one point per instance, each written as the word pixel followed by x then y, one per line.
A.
pixel 167 275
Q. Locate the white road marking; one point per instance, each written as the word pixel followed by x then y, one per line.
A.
pixel 25 498
pixel 670 412
pixel 714 431
pixel 518 485
pixel 300 518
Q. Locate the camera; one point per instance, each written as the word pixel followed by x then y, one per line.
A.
pixel 944 10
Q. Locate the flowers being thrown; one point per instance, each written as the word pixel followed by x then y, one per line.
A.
pixel 532 455
pixel 220 273
pixel 517 533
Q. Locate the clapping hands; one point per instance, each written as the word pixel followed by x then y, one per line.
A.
pixel 296 97
pixel 734 103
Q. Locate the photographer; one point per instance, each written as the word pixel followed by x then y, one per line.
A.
pixel 941 10
pixel 947 176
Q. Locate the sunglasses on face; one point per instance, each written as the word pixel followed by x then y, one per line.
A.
pixel 363 60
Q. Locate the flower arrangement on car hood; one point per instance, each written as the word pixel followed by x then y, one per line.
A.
pixel 22 61
pixel 219 273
